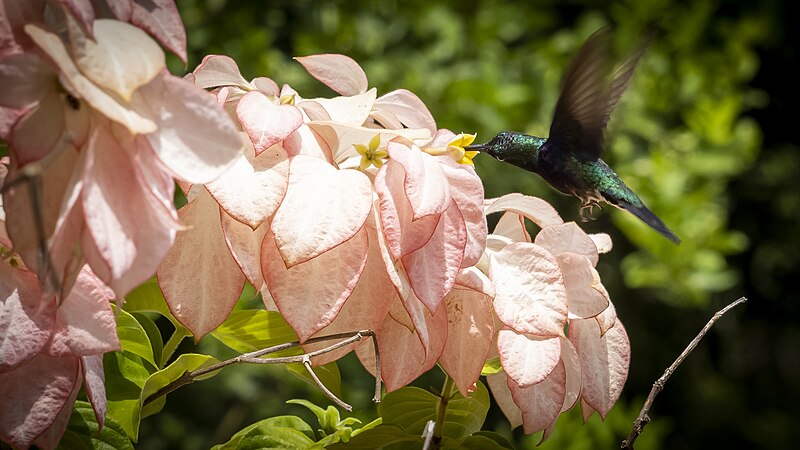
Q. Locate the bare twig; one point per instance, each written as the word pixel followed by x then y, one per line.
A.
pixel 256 357
pixel 377 397
pixel 644 418
pixel 325 390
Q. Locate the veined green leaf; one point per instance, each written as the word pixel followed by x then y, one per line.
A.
pixel 380 437
pixel 327 418
pixel 411 408
pixel 83 431
pixel 368 426
pixel 255 329
pixel 275 438
pixel 486 440
pixel 134 337
pixel 185 363
pixel 125 374
pixel 275 428
pixel 153 334
pixel 147 297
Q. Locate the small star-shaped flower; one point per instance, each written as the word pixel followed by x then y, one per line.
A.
pixel 371 156
pixel 456 150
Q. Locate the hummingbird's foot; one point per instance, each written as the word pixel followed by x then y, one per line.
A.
pixel 587 210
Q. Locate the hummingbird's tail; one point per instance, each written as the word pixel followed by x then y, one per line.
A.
pixel 647 216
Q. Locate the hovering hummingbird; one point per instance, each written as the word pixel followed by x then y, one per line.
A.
pixel 570 158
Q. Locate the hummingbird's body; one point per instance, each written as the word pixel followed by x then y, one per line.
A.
pixel 570 158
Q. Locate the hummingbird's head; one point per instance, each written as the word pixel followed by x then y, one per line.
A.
pixel 512 147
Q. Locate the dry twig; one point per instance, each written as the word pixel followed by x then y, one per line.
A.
pixel 643 418
pixel 256 357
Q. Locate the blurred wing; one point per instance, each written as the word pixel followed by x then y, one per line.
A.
pixel 588 96
pixel 622 76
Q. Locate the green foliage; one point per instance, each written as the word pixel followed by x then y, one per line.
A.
pixel 571 433
pixel 492 366
pixel 381 437
pixel 292 432
pixel 406 412
pixel 186 362
pixel 132 374
pixel 485 440
pixel 140 370
pixel 332 427
pixel 84 433
pixel 275 432
pixel 411 408
pixel 253 329
pixel 147 298
pixel 126 372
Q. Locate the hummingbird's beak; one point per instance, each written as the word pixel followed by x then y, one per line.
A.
pixel 475 147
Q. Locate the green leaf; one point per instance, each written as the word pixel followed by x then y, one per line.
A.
pixel 274 438
pixel 126 372
pixel 368 426
pixel 492 366
pixel 274 428
pixel 328 418
pixel 125 375
pixel 250 298
pixel 134 337
pixel 185 363
pixel 147 297
pixel 411 408
pixel 83 431
pixel 255 329
pixel 328 374
pixel 381 437
pixel 153 334
pixel 486 440
pixel 465 416
pixel 172 344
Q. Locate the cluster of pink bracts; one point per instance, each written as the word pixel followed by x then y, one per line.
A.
pixel 348 213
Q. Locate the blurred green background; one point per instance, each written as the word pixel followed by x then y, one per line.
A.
pixel 701 134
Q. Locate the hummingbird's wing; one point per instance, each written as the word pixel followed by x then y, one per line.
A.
pixel 588 95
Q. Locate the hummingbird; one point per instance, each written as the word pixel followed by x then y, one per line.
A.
pixel 569 160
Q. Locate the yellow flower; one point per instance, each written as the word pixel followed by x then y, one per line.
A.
pixel 456 150
pixel 371 156
pixel 287 99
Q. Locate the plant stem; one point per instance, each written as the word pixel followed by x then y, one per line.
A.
pixel 441 410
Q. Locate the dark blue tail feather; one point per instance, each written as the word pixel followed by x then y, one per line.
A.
pixel 647 216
